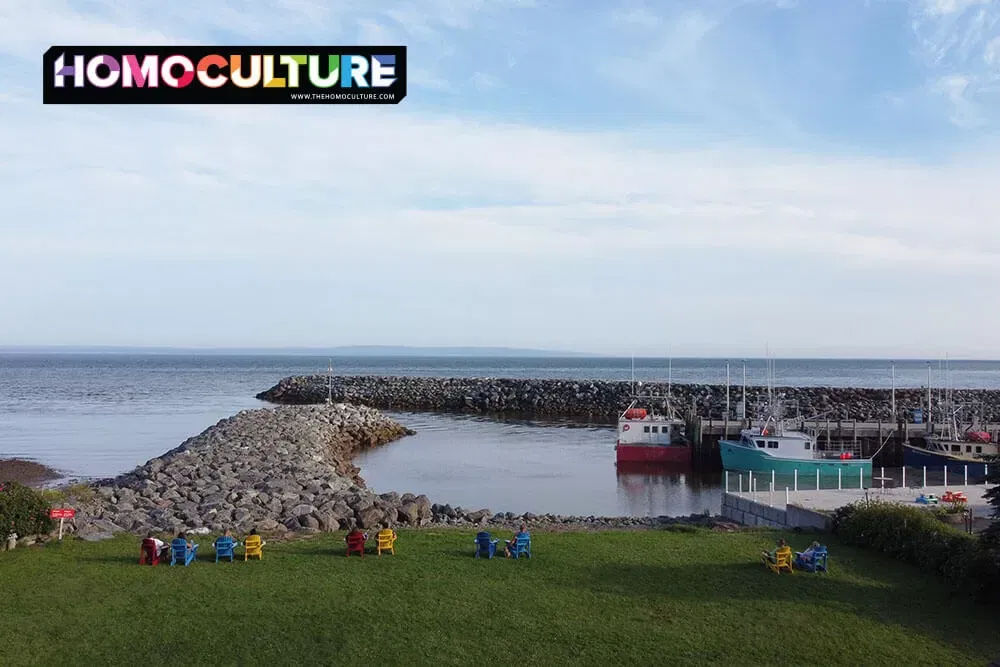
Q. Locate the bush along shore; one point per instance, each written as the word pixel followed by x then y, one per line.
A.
pixel 281 470
pixel 598 401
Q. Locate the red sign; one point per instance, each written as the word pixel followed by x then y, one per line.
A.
pixel 62 513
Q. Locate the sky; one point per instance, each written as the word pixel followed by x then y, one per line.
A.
pixel 700 178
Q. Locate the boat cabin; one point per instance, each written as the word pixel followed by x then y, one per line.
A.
pixel 786 445
pixel 639 426
pixel 965 448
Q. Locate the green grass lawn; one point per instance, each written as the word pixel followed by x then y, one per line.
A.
pixel 653 597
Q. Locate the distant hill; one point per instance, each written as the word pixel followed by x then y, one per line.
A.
pixel 339 351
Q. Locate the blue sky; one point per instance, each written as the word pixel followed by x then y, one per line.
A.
pixel 696 178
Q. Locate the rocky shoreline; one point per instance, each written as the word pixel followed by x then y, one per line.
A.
pixel 597 401
pixel 289 470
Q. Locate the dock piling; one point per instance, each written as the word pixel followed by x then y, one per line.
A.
pixel 904 478
pixel 772 477
pixel 839 478
pixel 770 495
pixel 741 484
pixel 796 480
pixel 925 477
pixel 861 478
pixel 946 475
pixel 786 496
pixel 817 479
pixel 727 481
pixel 966 482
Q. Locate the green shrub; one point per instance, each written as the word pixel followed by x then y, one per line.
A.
pixel 917 536
pixel 22 510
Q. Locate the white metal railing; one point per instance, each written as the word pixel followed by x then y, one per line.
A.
pixel 749 482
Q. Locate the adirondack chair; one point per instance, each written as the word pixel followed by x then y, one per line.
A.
pixel 820 563
pixel 225 547
pixel 782 561
pixel 386 539
pixel 812 562
pixel 148 553
pixel 486 546
pixel 520 546
pixel 356 542
pixel 253 546
pixel 179 552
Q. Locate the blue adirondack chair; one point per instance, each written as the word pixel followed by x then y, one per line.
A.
pixel 179 553
pixel 521 546
pixel 486 546
pixel 820 560
pixel 225 547
pixel 817 562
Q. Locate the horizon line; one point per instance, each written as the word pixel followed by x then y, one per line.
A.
pixel 536 352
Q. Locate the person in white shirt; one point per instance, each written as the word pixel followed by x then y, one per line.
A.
pixel 161 548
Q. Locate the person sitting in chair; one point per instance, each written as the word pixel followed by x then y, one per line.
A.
pixel 228 535
pixel 512 542
pixel 772 556
pixel 804 559
pixel 354 535
pixel 253 531
pixel 162 549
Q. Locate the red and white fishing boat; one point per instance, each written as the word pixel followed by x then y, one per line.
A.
pixel 649 436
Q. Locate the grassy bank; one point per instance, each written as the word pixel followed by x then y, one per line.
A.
pixel 659 597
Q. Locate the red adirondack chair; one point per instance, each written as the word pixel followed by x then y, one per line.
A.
pixel 148 553
pixel 355 542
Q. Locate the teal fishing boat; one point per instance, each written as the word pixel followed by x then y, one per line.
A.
pixel 772 447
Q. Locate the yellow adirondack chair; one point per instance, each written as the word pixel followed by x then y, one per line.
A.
pixel 386 539
pixel 782 561
pixel 253 546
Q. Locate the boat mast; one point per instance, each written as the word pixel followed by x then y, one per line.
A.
pixel 632 389
pixel 670 375
pixel 744 389
pixel 892 366
pixel 930 417
pixel 727 390
pixel 329 382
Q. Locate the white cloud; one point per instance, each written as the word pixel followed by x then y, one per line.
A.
pixel 524 231
pixel 958 41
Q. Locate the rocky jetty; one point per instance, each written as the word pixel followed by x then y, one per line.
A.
pixel 597 401
pixel 288 470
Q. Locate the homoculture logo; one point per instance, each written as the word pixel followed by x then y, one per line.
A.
pixel 224 75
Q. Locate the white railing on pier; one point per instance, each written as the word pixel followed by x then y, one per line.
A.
pixel 736 481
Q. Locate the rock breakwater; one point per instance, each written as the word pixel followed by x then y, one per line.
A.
pixel 274 469
pixel 284 470
pixel 599 401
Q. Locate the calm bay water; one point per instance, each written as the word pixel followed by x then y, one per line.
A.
pixel 100 415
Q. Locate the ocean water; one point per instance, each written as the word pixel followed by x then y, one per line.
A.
pixel 99 415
